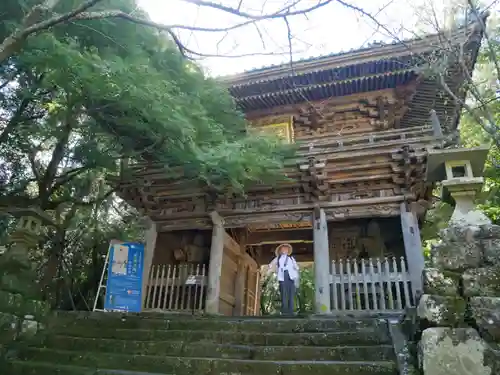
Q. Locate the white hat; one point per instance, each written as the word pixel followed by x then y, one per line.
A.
pixel 290 249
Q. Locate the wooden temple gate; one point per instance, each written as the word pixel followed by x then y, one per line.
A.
pixel 364 123
pixel 184 287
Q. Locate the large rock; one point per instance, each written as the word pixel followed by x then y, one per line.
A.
pixel 482 282
pixel 491 251
pixel 8 328
pixel 18 305
pixel 486 313
pixel 445 351
pixel 437 310
pixel 439 282
pixel 457 256
pixel 488 231
pixel 458 233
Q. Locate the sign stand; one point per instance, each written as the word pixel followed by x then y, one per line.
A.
pixel 121 278
pixel 102 281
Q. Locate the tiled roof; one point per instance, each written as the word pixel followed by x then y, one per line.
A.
pixel 369 69
pixel 374 52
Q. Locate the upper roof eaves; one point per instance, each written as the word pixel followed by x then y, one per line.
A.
pixel 371 53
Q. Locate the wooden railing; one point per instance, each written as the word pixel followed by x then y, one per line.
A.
pixel 176 288
pixel 370 285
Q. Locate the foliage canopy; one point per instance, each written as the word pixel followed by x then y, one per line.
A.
pixel 86 94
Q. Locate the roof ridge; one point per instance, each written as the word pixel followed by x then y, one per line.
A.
pixel 373 52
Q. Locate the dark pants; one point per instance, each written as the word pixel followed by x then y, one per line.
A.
pixel 287 291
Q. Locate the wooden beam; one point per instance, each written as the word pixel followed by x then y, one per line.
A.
pixel 279 236
pixel 302 253
pixel 232 214
pixel 321 262
pixel 335 101
pixel 413 248
pixel 215 265
pixel 339 213
pixel 154 171
pixel 310 206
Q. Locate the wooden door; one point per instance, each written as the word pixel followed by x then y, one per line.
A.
pixel 252 286
pixel 229 271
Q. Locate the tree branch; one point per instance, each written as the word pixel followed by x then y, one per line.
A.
pixel 53 204
pixel 68 176
pixel 45 185
pixel 30 25
pixel 283 12
pixel 13 43
pixel 491 51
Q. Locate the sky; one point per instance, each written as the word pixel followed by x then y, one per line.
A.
pixel 331 29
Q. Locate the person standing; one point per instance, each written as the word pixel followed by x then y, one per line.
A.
pixel 287 271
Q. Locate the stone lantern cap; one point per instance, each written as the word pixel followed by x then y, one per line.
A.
pixel 460 171
pixel 454 163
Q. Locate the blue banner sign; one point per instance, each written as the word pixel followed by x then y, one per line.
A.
pixel 124 285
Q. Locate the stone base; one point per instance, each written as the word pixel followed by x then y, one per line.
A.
pixel 483 281
pixel 446 351
pixel 486 313
pixel 447 311
pixel 443 283
pixel 457 256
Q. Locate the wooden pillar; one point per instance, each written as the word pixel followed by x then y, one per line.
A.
pixel 413 248
pixel 321 262
pixel 149 251
pixel 215 265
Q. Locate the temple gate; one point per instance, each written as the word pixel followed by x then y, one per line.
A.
pixel 365 122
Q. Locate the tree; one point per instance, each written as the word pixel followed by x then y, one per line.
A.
pixel 75 104
pixel 270 300
pixel 61 99
pixel 41 16
pixel 481 108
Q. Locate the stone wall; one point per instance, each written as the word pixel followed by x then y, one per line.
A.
pixel 458 315
pixel 21 311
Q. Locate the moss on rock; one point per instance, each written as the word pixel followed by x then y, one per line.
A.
pixel 444 311
pixel 445 351
pixel 457 256
pixel 485 311
pixel 18 305
pixel 445 283
pixel 482 282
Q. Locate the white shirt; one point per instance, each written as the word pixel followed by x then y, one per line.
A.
pixel 291 266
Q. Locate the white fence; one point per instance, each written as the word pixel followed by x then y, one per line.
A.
pixel 370 285
pixel 176 287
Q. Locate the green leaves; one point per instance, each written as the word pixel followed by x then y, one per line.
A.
pixel 125 91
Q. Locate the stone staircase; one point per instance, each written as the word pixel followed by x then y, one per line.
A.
pixel 108 343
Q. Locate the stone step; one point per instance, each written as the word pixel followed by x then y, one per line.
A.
pixel 205 366
pixel 352 337
pixel 40 368
pixel 181 322
pixel 181 349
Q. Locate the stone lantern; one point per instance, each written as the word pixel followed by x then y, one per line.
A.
pixel 25 236
pixel 460 171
